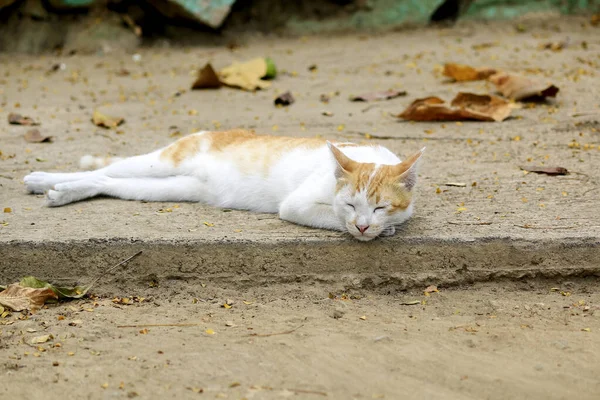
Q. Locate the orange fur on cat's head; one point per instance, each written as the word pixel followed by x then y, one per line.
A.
pixel 365 190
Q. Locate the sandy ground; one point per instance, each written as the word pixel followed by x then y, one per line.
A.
pixel 534 340
pixel 503 340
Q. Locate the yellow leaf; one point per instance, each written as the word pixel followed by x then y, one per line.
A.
pixel 227 306
pixel 106 121
pixel 7 209
pixel 209 332
pixel 246 75
pixel 208 224
pixel 364 317
pixel 586 330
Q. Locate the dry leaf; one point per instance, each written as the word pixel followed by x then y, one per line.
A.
pixel 34 136
pixel 19 298
pixel 285 99
pixel 466 106
pixel 455 184
pixel 375 96
pixel 106 121
pixel 411 303
pixel 431 289
pixel 546 170
pixel 555 46
pixel 517 87
pixel 246 75
pixel 41 339
pixel 207 79
pixel 209 332
pixel 462 73
pixel 18 119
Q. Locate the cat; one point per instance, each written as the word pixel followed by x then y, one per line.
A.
pixel 365 190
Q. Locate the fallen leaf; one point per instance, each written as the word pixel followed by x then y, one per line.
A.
pixel 431 289
pixel 41 339
pixel 466 106
pixel 327 113
pixel 547 170
pixel 463 73
pixel 106 121
pixel 246 76
pixel 411 303
pixel 18 119
pixel 517 87
pixel 364 317
pixel 7 210
pixel 555 46
pixel 586 329
pixel 376 96
pixel 209 332
pixel 19 298
pixel 455 184
pixel 207 79
pixel 34 136
pixel 285 99
pixel 63 292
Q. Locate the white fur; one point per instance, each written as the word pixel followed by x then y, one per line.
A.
pixel 300 186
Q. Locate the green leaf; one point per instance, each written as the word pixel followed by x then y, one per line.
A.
pixel 76 292
pixel 271 69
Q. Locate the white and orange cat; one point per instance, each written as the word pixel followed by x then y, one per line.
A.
pixel 365 190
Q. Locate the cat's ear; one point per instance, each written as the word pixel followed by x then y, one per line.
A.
pixel 344 164
pixel 407 170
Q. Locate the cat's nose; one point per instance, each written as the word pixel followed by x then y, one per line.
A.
pixel 362 228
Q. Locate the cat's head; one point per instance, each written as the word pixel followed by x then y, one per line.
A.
pixel 371 198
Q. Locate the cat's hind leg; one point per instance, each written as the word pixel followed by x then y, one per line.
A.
pixel 41 182
pixel 174 188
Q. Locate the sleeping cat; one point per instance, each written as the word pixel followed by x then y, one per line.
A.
pixel 365 190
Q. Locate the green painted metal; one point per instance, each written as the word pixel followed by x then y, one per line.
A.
pixel 504 9
pixel 209 12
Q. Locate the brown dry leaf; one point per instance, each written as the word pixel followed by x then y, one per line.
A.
pixel 19 298
pixel 466 106
pixel 463 73
pixel 207 79
pixel 285 99
pixel 375 96
pixel 34 136
pixel 246 75
pixel 547 170
pixel 18 119
pixel 517 87
pixel 106 121
pixel 555 46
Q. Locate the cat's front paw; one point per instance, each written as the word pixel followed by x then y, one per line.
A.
pixel 389 231
pixel 38 182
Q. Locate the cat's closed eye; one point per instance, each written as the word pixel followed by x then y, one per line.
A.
pixel 351 206
pixel 378 209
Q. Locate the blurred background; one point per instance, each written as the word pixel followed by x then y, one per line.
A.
pixel 89 26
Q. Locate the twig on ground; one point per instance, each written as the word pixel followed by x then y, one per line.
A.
pixel 543 227
pixel 308 392
pixel 157 325
pixel 470 223
pixel 276 333
pixel 113 268
pixel 585 113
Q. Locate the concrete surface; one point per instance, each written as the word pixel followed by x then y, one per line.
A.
pixel 507 224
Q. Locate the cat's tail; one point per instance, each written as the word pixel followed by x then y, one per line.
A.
pixel 90 162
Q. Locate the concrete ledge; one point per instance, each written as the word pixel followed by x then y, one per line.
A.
pixel 389 263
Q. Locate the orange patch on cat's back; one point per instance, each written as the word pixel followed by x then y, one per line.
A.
pixel 253 152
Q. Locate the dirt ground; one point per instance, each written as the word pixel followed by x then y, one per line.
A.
pixel 283 335
pixel 531 340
